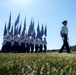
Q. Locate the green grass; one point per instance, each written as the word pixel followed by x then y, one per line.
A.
pixel 37 64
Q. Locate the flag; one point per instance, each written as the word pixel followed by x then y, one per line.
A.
pixel 29 34
pixel 33 26
pixel 45 30
pixel 25 24
pixel 9 24
pixel 17 20
pixel 30 29
pixel 34 35
pixel 20 28
pixel 26 34
pixel 38 31
pixel 15 31
pixel 5 30
pixel 23 32
pixel 42 30
pixel 24 28
pixel 12 31
pixel 38 28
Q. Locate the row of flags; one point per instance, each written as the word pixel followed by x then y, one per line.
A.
pixel 17 29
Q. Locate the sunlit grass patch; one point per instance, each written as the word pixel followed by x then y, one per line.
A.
pixel 37 64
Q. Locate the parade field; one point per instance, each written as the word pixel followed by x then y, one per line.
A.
pixel 37 64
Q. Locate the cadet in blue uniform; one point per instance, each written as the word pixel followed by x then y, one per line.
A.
pixel 64 35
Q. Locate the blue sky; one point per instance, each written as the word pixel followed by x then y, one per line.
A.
pixel 50 12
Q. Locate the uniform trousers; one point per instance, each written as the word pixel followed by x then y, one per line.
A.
pixel 22 47
pixel 25 47
pixel 12 48
pixel 28 47
pixel 16 47
pixel 36 48
pixel 45 47
pixel 40 48
pixel 65 44
pixel 3 48
pixel 32 48
pixel 8 47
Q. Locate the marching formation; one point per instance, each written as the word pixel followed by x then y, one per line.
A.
pixel 17 40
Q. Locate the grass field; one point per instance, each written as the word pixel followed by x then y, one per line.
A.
pixel 37 64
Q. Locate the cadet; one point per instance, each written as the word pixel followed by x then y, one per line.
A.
pixel 39 41
pixel 23 44
pixel 32 45
pixel 19 43
pixel 16 43
pixel 4 45
pixel 45 44
pixel 12 45
pixel 28 44
pixel 36 45
pixel 8 44
pixel 41 46
pixel 64 35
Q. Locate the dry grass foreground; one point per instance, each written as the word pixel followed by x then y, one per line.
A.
pixel 37 64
